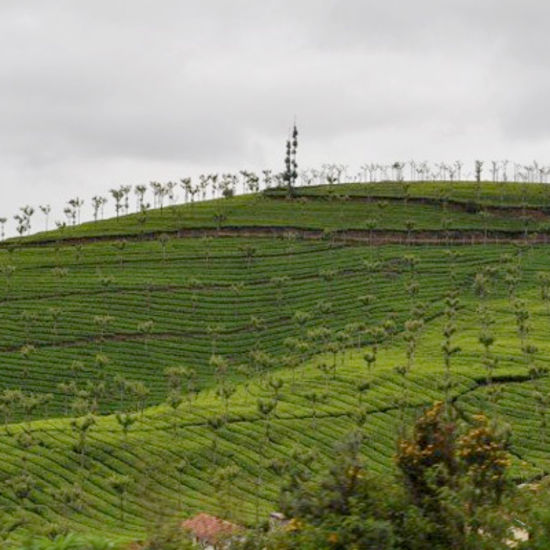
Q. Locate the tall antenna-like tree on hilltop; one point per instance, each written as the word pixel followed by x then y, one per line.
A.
pixel 291 166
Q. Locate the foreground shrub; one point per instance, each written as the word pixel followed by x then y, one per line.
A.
pixel 451 491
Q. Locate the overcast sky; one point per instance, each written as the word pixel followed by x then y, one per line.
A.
pixel 99 93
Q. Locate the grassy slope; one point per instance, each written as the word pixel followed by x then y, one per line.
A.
pixel 189 292
pixel 508 194
pixel 271 210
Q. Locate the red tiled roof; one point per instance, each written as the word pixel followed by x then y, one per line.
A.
pixel 209 528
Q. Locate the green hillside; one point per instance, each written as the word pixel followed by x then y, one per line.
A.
pixel 496 194
pixel 464 206
pixel 234 337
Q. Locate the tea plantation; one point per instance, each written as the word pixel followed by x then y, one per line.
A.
pixel 157 365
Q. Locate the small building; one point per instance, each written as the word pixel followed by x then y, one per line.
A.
pixel 210 532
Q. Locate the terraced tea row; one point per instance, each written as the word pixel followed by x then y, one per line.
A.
pixel 48 339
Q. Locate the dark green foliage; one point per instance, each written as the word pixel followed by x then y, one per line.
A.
pixel 291 166
pixel 451 494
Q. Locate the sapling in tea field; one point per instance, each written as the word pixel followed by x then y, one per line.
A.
pixel 102 322
pixel 120 245
pixel 125 420
pixel 279 282
pixel 145 328
pixel 215 423
pixel 450 349
pixel 543 279
pixel 60 273
pixel 9 402
pixel 181 469
pixel 120 484
pixel 163 240
pixel 266 409
pixel 225 390
pixel 174 400
pixel 8 271
pixel 487 339
pixel 81 427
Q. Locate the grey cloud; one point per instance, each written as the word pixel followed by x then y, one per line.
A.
pixel 97 92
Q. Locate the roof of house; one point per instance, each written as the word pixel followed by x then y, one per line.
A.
pixel 209 528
